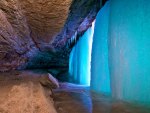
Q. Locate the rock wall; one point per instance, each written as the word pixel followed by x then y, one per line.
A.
pixel 27 27
pixel 31 34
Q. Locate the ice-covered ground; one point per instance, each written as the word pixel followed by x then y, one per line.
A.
pixel 71 98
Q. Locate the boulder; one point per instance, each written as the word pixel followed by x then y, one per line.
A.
pixel 49 81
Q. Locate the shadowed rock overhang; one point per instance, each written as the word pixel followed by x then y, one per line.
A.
pixel 35 33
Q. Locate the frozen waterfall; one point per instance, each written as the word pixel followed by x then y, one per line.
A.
pixel 100 78
pixel 129 50
pixel 119 63
pixel 80 58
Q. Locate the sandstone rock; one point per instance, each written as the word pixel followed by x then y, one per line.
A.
pixel 26 98
pixel 32 34
pixel 49 81
pixel 27 27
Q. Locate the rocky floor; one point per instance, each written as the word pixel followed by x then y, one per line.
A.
pixel 20 92
pixel 78 99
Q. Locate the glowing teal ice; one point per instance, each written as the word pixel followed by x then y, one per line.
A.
pixel 129 54
pixel 120 52
pixel 80 58
pixel 100 79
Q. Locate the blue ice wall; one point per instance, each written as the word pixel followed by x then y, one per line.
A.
pixel 80 58
pixel 100 79
pixel 129 54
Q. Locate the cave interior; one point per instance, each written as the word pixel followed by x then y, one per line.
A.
pixel 74 56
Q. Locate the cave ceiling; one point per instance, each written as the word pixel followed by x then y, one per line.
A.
pixel 34 33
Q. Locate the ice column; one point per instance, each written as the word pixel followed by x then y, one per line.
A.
pixel 80 58
pixel 100 79
pixel 129 53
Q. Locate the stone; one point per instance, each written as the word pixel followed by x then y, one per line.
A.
pixel 49 81
pixel 35 33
